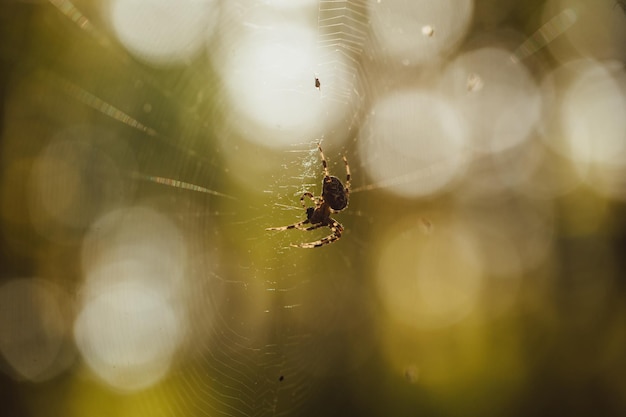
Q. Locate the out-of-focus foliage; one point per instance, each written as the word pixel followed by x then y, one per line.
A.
pixel 146 146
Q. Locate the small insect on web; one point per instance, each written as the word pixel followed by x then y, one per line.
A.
pixel 334 199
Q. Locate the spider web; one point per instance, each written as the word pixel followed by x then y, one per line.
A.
pixel 271 330
pixel 342 33
pixel 247 357
pixel 342 37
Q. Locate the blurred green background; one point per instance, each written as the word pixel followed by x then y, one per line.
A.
pixel 146 146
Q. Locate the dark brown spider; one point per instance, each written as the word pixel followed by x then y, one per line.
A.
pixel 334 199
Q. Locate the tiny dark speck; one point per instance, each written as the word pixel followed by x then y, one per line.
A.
pixel 280 378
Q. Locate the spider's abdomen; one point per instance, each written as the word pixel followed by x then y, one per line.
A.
pixel 334 193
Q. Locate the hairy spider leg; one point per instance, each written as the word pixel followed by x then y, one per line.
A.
pixel 297 226
pixel 291 226
pixel 311 196
pixel 326 173
pixel 315 226
pixel 303 222
pixel 337 229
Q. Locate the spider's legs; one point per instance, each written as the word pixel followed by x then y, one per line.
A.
pixel 291 226
pixel 347 175
pixel 315 226
pixel 307 194
pixel 326 173
pixel 298 226
pixel 324 163
pixel 336 228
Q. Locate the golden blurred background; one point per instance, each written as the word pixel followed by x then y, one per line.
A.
pixel 146 146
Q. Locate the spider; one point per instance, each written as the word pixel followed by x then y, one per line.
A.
pixel 334 199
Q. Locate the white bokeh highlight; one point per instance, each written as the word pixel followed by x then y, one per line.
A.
pixel 128 335
pixel 499 99
pixel 163 32
pixel 413 143
pixel 133 315
pixel 269 76
pixel 593 117
pixel 419 31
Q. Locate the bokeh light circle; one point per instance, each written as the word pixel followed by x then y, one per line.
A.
pixel 413 143
pixel 429 281
pixel 133 317
pixel 419 31
pixel 592 115
pixel 269 80
pixel 499 100
pixel 163 32
pixel 127 335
